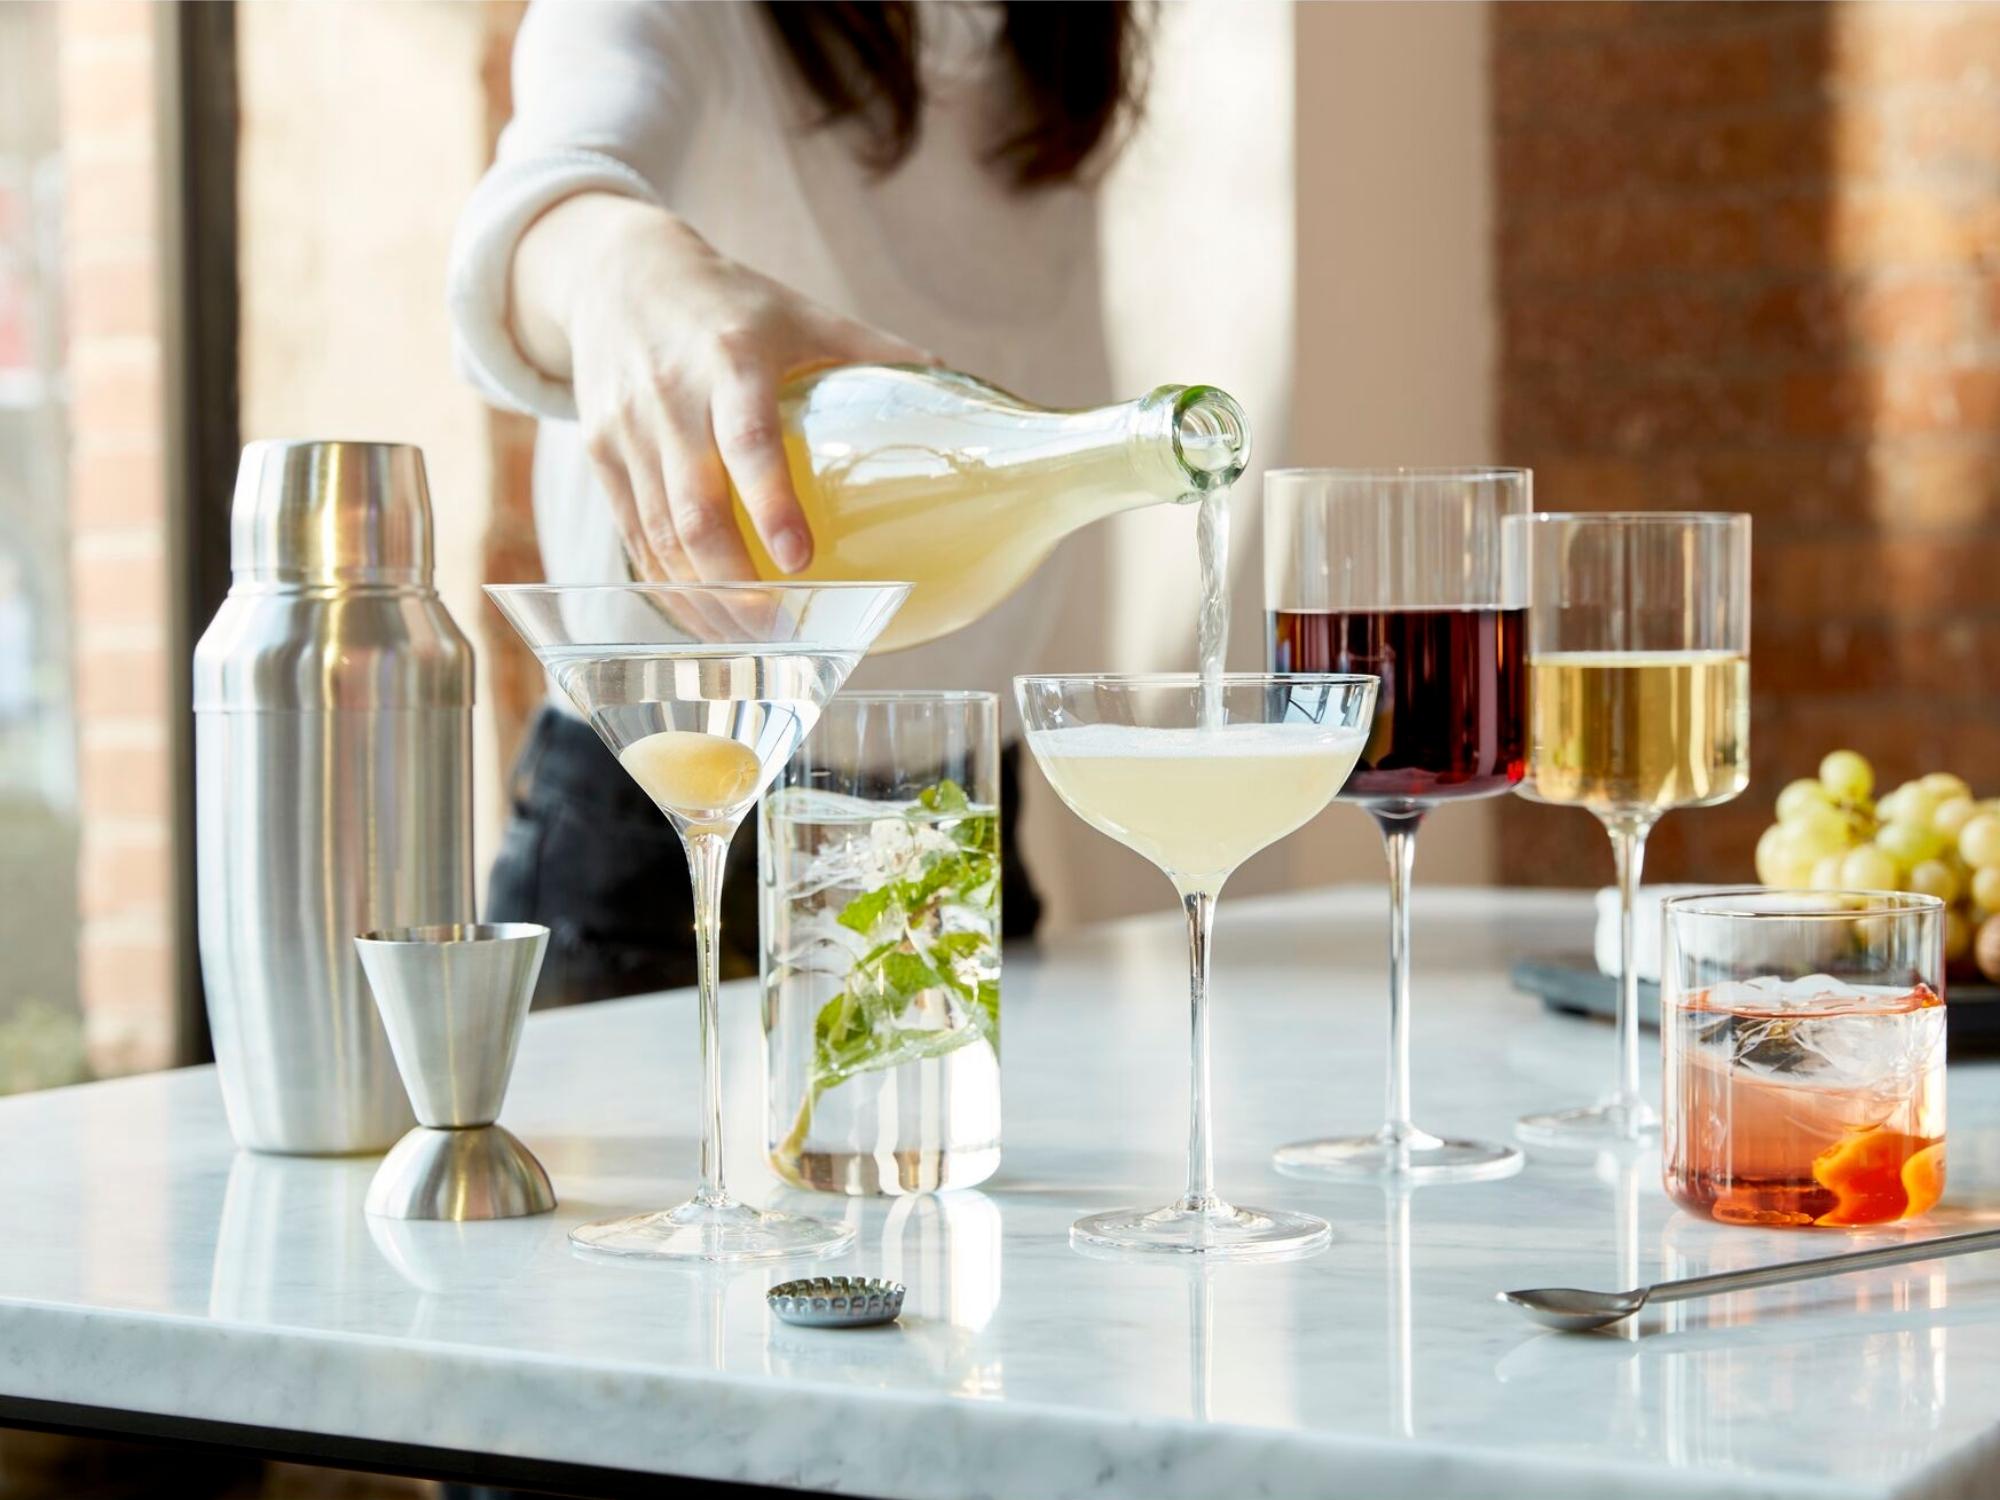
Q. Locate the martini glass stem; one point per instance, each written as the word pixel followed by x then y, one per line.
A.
pixel 1628 850
pixel 1201 1156
pixel 1399 843
pixel 706 853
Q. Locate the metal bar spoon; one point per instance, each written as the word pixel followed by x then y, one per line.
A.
pixel 1576 1311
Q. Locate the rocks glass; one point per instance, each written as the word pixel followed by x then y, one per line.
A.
pixel 1804 1037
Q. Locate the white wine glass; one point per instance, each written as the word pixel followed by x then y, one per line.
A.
pixel 1638 702
pixel 1197 774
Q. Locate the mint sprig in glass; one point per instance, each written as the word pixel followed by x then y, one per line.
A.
pixel 881 956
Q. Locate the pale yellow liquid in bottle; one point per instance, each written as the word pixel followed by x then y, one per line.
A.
pixel 1197 802
pixel 955 487
pixel 943 522
pixel 1638 731
pixel 700 777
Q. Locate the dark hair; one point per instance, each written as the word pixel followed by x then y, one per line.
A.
pixel 1078 69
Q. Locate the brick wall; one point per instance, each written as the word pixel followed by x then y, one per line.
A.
pixel 119 538
pixel 1749 259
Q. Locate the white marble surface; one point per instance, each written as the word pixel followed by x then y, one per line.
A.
pixel 146 1265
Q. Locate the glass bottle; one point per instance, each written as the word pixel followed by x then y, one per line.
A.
pixel 938 478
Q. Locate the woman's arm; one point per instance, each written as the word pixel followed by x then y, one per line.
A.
pixel 576 292
pixel 676 355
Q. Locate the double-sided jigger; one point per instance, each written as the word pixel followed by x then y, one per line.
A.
pixel 453 1000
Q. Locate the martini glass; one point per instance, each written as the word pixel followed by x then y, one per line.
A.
pixel 703 692
pixel 1197 775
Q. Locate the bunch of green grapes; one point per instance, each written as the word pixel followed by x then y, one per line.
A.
pixel 1929 835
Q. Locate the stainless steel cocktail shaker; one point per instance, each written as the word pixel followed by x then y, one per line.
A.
pixel 333 785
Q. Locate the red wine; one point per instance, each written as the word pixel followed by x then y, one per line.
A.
pixel 1451 714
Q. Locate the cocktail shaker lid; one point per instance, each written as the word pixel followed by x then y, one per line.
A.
pixel 326 513
pixel 331 604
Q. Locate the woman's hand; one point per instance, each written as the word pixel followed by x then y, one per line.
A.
pixel 676 355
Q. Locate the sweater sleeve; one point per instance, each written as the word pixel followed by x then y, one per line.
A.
pixel 606 97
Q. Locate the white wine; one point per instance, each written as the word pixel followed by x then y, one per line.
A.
pixel 962 490
pixel 1632 731
pixel 1196 802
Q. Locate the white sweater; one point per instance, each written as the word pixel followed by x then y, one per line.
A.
pixel 695 106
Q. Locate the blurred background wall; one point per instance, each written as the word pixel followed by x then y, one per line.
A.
pixel 1730 255
pixel 344 234
pixel 1749 259
pixel 1345 298
pixel 1394 333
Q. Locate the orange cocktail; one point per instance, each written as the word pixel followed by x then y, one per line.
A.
pixel 1804 1041
pixel 1826 1112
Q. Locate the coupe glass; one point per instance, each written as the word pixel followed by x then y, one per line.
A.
pixel 1404 573
pixel 1197 775
pixel 1639 701
pixel 703 692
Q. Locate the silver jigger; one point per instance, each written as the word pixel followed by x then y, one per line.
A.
pixel 453 999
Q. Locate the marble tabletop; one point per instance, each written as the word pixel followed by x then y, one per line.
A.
pixel 149 1267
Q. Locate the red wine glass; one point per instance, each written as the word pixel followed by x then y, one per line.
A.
pixel 1405 575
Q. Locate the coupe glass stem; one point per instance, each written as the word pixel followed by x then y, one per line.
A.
pixel 1399 842
pixel 1201 1155
pixel 1628 849
pixel 706 853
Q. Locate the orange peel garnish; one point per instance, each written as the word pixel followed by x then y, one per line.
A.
pixel 1923 1179
pixel 1878 1176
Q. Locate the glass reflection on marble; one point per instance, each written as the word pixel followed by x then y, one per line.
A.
pixel 445 1257
pixel 1741 1365
pixel 448 1261
pixel 1628 1170
pixel 1402 1334
pixel 1201 1339
pixel 265 1270
pixel 947 1249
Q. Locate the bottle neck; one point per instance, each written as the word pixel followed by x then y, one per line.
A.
pixel 1171 446
pixel 1188 440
